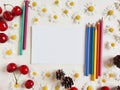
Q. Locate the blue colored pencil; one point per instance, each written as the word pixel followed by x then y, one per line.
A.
pixel 22 30
pixel 87 50
pixel 92 49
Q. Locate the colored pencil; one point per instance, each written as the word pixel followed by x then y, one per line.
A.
pixel 26 24
pixel 92 50
pixel 87 50
pixel 22 30
pixel 101 46
pixel 95 54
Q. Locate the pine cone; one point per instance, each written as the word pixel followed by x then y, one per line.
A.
pixel 118 88
pixel 116 61
pixel 60 74
pixel 67 82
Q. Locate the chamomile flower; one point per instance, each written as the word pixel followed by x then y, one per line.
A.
pixel 47 75
pixel 54 18
pixel 102 81
pixel 14 25
pixel 33 4
pixel 14 86
pixel 44 87
pixel 66 12
pixel 90 9
pixel 71 3
pixel 36 19
pixel 110 75
pixel 110 45
pixel 57 87
pixel 33 73
pixel 75 75
pixel 9 52
pixel 77 18
pixel 90 86
pixel 13 37
pixel 109 29
pixel 110 13
pixel 43 11
pixel 57 2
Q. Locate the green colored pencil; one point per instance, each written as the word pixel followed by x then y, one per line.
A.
pixel 22 30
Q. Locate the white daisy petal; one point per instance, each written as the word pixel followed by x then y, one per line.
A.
pixel 110 45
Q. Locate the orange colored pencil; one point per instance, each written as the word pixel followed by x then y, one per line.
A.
pixel 98 50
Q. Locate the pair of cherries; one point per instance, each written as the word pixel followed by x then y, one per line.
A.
pixel 23 69
pixel 7 16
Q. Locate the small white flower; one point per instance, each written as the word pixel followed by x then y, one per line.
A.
pixel 13 37
pixel 9 52
pixel 47 75
pixel 54 18
pixel 44 87
pixel 110 75
pixel 34 73
pixel 110 45
pixel 102 80
pixel 57 86
pixel 66 12
pixel 14 25
pixel 77 18
pixel 57 2
pixel 90 9
pixel 90 86
pixel 110 12
pixel 71 3
pixel 36 19
pixel 109 29
pixel 43 11
pixel 75 75
pixel 33 4
pixel 14 86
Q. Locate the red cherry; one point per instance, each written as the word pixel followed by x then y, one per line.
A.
pixel 8 15
pixel 3 38
pixel 17 11
pixel 105 88
pixel 0 10
pixel 11 67
pixel 24 69
pixel 73 88
pixel 3 25
pixel 29 84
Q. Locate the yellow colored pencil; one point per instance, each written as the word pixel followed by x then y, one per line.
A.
pixel 95 54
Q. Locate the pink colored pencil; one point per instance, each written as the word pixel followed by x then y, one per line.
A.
pixel 101 46
pixel 26 24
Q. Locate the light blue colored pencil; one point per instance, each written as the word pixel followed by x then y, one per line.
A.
pixel 87 50
pixel 22 30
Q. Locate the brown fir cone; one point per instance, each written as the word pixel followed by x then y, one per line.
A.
pixel 67 82
pixel 118 88
pixel 60 74
pixel 116 61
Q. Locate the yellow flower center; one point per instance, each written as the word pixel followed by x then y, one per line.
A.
pixel 44 10
pixel 66 11
pixel 113 44
pixel 89 88
pixel 9 52
pixel 55 17
pixel 91 8
pixel 57 87
pixel 48 74
pixel 110 65
pixel 34 73
pixel 111 30
pixel 111 75
pixel 104 80
pixel 15 25
pixel 76 75
pixel 16 85
pixel 78 17
pixel 111 12
pixel 72 3
pixel 45 88
pixel 13 37
pixel 34 4
pixel 36 19
pixel 56 2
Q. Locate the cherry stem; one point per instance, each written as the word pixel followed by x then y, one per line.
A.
pixel 15 78
pixel 7 5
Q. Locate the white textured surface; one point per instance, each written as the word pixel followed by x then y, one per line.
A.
pixel 6 78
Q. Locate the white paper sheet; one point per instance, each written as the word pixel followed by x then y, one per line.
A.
pixel 58 45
